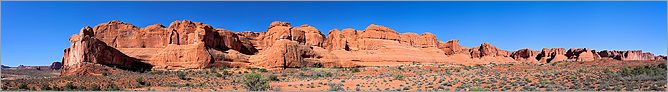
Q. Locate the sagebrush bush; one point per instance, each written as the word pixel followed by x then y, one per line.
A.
pixel 336 87
pixel 255 82
pixel 69 86
pixel 181 75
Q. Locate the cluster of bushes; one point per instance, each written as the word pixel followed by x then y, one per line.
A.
pixel 651 72
pixel 336 86
pixel 255 82
pixel 69 86
pixel 656 70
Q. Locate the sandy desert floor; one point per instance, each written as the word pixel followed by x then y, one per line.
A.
pixel 600 75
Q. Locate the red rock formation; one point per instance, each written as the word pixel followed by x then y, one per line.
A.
pixel 193 45
pixel 451 47
pixel 56 66
pixel 277 30
pixel 350 36
pixel 611 54
pixel 312 35
pixel 248 41
pixel 123 35
pixel 85 49
pixel 581 54
pixel 550 55
pixel 427 40
pixel 284 54
pixel 637 55
pixel 192 56
pixel 525 55
pixel 380 32
pixel 408 39
pixel 627 55
pixel 421 41
pixel 335 40
pixel 485 49
pixel 660 57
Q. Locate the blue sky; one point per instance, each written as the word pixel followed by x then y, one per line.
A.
pixel 35 33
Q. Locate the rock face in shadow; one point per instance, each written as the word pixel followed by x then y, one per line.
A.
pixel 525 55
pixel 56 66
pixel 194 45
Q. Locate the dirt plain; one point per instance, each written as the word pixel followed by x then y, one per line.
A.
pixel 598 75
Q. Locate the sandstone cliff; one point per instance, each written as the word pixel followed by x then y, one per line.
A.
pixel 186 44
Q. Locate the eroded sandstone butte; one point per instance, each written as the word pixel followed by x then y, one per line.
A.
pixel 194 45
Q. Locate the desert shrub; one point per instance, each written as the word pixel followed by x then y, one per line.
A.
pixel 646 70
pixel 607 71
pixel 318 65
pixel 213 70
pixel 317 73
pixel 468 67
pixel 258 69
pixel 23 86
pixel 650 72
pixel 181 75
pixel 45 87
pixel 106 73
pixel 140 80
pixel 476 80
pixel 69 86
pixel 447 84
pixel 273 78
pixel 112 87
pixel 95 88
pixel 255 82
pixel 355 70
pixel 477 89
pixel 222 68
pixel 227 73
pixel 219 75
pixel 398 76
pixel 335 87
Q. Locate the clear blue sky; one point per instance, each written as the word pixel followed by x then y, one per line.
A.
pixel 35 33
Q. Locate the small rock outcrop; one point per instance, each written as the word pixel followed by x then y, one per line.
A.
pixel 548 55
pixel 451 47
pixel 486 49
pixel 627 55
pixel 56 66
pixel 525 55
pixel 581 54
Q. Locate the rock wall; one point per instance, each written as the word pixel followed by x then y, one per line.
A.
pixel 525 55
pixel 85 49
pixel 195 45
pixel 582 54
pixel 627 55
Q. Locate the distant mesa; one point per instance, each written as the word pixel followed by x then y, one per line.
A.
pixel 4 66
pixel 185 44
